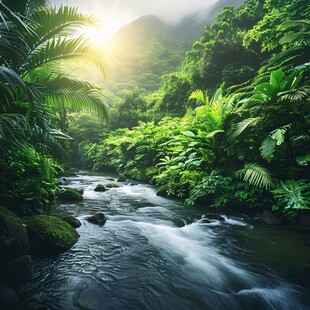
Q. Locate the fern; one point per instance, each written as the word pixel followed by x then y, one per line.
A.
pixel 256 175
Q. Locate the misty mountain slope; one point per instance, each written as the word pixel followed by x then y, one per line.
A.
pixel 145 49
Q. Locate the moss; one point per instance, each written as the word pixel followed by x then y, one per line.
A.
pixel 100 188
pixel 13 235
pixel 50 234
pixel 112 185
pixel 121 178
pixel 70 195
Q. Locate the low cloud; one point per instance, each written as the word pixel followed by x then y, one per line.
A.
pixel 171 11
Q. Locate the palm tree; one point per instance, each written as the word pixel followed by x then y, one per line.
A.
pixel 35 43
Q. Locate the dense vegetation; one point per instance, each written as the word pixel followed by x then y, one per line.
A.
pixel 247 144
pixel 36 42
pixel 230 127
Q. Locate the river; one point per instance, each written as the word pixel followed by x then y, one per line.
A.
pixel 156 253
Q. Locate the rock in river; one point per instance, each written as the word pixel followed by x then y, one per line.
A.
pixel 98 219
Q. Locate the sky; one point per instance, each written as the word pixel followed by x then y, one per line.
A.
pixel 126 10
pixel 116 13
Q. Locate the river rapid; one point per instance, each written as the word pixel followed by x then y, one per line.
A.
pixel 156 253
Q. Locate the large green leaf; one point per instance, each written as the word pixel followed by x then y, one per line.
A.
pixel 256 175
pixel 267 148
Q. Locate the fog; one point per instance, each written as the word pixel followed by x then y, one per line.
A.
pixel 171 11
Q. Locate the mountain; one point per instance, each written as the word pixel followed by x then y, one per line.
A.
pixel 142 51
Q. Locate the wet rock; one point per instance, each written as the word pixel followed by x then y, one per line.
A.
pixel 213 216
pixel 162 191
pixel 73 221
pixel 70 195
pixel 205 220
pixel 98 219
pixel 304 219
pixel 110 179
pixel 13 236
pixel 8 298
pixel 121 178
pixel 269 218
pixel 50 234
pixel 80 190
pixel 100 188
pixel 19 272
pixel 112 185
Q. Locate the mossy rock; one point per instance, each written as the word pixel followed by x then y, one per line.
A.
pixel 100 188
pixel 13 235
pixel 162 191
pixel 50 234
pixel 112 185
pixel 121 178
pixel 19 272
pixel 73 221
pixel 70 195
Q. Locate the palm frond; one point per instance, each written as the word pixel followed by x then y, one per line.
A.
pixel 13 128
pixel 78 50
pixel 64 21
pixel 256 175
pixel 89 101
pixel 200 96
pixel 244 124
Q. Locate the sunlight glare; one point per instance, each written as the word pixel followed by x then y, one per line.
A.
pixel 100 36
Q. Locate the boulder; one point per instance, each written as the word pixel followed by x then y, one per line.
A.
pixel 304 219
pixel 270 218
pixel 100 188
pixel 70 195
pixel 8 298
pixel 19 272
pixel 162 191
pixel 73 221
pixel 121 178
pixel 98 219
pixel 13 236
pixel 213 216
pixel 112 185
pixel 50 234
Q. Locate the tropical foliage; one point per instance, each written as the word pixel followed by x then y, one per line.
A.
pixel 248 143
pixel 36 43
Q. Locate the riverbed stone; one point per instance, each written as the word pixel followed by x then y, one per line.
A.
pixel 8 298
pixel 121 178
pixel 270 218
pixel 19 271
pixel 162 191
pixel 111 185
pixel 100 188
pixel 73 221
pixel 304 219
pixel 213 216
pixel 50 234
pixel 70 195
pixel 13 236
pixel 98 219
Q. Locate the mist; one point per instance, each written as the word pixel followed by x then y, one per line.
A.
pixel 172 11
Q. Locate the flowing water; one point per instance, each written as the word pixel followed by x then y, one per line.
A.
pixel 154 253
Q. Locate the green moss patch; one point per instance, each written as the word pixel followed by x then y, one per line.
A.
pixel 13 235
pixel 70 195
pixel 50 234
